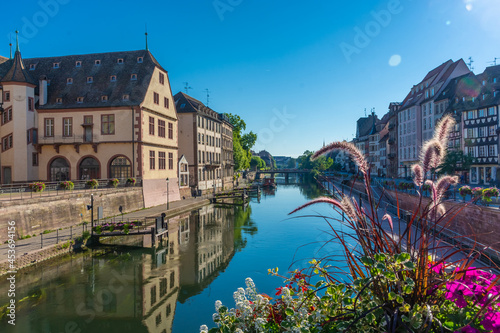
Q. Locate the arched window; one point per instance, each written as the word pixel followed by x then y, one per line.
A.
pixel 59 170
pixel 89 168
pixel 120 168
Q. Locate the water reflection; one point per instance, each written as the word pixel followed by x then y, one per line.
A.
pixel 130 290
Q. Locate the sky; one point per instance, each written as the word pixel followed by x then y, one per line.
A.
pixel 299 74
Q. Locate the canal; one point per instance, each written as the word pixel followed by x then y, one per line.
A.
pixel 209 254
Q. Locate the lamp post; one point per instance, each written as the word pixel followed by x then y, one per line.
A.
pixel 168 203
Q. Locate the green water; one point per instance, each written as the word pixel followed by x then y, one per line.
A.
pixel 209 253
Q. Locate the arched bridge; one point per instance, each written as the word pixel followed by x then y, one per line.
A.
pixel 285 172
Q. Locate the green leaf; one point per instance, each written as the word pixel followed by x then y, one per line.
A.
pixel 213 330
pixel 289 312
pixel 390 275
pixel 410 282
pixel 330 291
pixel 392 295
pixel 381 266
pixel 380 257
pixel 402 257
pixel 409 265
pixel 223 309
pixel 367 261
pixel 399 299
pixel 319 284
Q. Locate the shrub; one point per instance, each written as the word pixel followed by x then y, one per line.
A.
pixel 66 185
pixel 98 229
pixel 37 186
pixel 396 280
pixel 93 183
pixel 488 193
pixel 113 182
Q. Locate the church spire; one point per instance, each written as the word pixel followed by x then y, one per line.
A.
pixel 17 41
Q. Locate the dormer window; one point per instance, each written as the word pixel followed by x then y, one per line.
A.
pixel 55 65
pixel 58 100
pixel 133 77
pixel 78 64
pixel 120 61
pixel 90 79
pixel 112 78
pixel 494 80
pixel 125 97
pixel 484 82
pixel 140 60
pixel 97 62
pixel 104 98
pixel 69 80
pixel 32 67
pixel 79 99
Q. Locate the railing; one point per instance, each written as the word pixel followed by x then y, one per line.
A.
pixel 22 191
pixel 60 139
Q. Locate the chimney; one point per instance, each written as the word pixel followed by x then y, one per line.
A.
pixel 42 100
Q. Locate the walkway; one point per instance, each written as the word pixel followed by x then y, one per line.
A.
pixel 24 246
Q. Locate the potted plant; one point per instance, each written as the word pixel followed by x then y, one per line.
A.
pixel 113 182
pixel 488 193
pixel 66 185
pixel 464 191
pixel 37 186
pixel 130 181
pixel 92 183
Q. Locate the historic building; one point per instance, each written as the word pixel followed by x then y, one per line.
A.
pixel 227 151
pixel 200 141
pixel 392 141
pixel 78 117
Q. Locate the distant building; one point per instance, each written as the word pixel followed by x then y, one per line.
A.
pixel 227 151
pixel 200 141
pixel 366 127
pixel 78 117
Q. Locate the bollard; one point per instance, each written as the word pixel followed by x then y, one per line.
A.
pixel 71 233
pixel 41 240
pixel 57 236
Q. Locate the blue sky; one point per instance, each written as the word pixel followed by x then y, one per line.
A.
pixel 298 73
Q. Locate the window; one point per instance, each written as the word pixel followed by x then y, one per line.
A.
pixel 470 115
pixel 79 99
pixel 162 78
pixel 104 98
pixel 166 102
pixel 108 124
pixel 97 62
pixel 119 61
pixel 492 151
pixel 470 133
pixel 140 60
pixel 31 104
pixel 90 79
pixel 161 128
pixel 67 126
pixel 482 132
pixel 481 112
pixel 69 80
pixel 78 64
pixel 161 160
pixel 432 92
pixel 55 65
pixel 32 67
pixel 112 78
pixel 152 159
pixel 482 151
pixel 7 116
pixel 34 159
pixel 171 161
pixel 58 100
pixel 492 130
pixel 133 77
pixel 49 127
pixel 153 295
pixel 170 131
pixel 156 98
pixel 492 111
pixel 6 96
pixel 151 126
pixel 7 142
pixel 125 97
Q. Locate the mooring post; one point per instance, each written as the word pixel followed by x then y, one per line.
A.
pixel 41 240
pixel 57 236
pixel 71 233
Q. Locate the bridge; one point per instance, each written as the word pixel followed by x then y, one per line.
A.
pixel 285 172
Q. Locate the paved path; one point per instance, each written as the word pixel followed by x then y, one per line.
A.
pixel 41 241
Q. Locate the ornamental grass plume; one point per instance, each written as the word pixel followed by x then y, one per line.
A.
pixel 399 276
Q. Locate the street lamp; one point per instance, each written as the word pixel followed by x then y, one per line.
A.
pixel 168 203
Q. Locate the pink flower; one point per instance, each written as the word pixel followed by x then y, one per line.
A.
pixel 491 322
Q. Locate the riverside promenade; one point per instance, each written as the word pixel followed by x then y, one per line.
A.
pixel 24 247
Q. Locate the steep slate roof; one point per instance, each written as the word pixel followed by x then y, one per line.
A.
pixel 187 104
pixel 17 72
pixel 101 85
pixel 3 59
pixel 364 126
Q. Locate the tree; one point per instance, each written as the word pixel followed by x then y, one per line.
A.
pixel 248 140
pixel 241 156
pixel 322 163
pixel 242 143
pixel 291 163
pixel 455 161
pixel 257 162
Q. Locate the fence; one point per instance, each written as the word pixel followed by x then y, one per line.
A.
pixel 488 255
pixel 22 191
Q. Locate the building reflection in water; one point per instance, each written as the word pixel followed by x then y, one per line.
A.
pixel 123 290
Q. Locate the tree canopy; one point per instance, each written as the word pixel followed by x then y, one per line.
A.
pixel 455 161
pixel 242 143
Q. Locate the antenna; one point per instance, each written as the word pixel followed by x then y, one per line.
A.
pixel 186 87
pixel 494 62
pixel 146 34
pixel 10 46
pixel 365 112
pixel 470 64
pixel 208 95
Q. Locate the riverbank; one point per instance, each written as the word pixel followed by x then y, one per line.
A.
pixel 42 247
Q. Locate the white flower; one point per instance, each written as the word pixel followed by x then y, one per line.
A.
pixel 218 304
pixel 203 329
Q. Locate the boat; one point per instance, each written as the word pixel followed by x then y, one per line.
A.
pixel 269 182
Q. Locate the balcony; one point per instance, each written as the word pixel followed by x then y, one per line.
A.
pixel 391 141
pixel 391 156
pixel 212 164
pixel 66 140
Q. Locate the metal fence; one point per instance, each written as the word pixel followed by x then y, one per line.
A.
pixel 23 191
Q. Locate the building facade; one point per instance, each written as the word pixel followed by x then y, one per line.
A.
pixel 92 116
